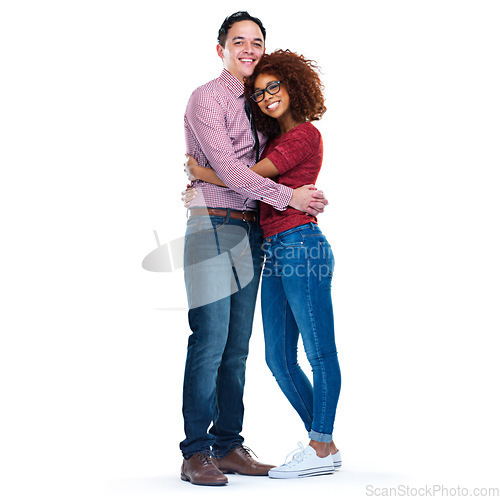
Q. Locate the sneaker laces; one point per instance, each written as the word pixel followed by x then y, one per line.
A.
pixel 298 455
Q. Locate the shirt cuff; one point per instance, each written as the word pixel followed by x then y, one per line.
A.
pixel 284 197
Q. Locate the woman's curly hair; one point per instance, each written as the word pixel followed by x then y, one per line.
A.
pixel 299 76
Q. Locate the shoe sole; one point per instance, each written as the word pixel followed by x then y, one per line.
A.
pixel 225 471
pixel 320 471
pixel 185 478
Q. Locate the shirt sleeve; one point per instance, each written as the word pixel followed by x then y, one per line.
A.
pixel 295 148
pixel 206 118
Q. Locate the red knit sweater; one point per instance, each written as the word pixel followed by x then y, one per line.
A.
pixel 297 155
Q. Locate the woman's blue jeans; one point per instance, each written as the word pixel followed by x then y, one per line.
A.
pixel 222 267
pixel 296 298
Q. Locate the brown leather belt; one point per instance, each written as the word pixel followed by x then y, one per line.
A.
pixel 221 212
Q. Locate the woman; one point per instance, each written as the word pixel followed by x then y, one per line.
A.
pixel 286 96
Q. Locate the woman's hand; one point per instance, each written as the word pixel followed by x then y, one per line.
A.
pixel 191 167
pixel 188 195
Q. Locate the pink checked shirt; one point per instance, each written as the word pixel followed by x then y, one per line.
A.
pixel 218 135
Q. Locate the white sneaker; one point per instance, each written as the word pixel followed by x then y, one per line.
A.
pixel 304 463
pixel 337 460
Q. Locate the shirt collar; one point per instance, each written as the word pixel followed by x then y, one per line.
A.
pixel 232 83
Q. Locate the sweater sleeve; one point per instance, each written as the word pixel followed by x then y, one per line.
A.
pixel 295 147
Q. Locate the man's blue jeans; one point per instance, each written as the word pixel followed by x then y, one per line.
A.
pixel 296 297
pixel 222 266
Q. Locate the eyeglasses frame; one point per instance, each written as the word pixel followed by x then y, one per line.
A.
pixel 266 90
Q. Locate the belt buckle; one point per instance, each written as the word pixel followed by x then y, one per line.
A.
pixel 243 215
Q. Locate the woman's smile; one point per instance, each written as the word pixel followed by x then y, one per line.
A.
pixel 273 106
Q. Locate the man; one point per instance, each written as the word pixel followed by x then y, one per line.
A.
pixel 223 258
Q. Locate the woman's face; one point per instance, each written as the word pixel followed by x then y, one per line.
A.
pixel 274 105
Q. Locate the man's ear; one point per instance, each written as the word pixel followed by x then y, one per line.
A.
pixel 220 51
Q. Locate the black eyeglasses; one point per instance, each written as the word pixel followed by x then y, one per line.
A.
pixel 272 88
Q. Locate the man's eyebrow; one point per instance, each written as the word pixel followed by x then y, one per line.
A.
pixel 243 38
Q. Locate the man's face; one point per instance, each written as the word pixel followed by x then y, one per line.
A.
pixel 243 50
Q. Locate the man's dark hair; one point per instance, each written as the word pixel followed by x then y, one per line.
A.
pixel 242 15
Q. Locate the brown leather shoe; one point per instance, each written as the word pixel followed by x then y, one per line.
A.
pixel 239 461
pixel 199 469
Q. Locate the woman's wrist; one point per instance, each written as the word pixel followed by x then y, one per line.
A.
pixel 195 172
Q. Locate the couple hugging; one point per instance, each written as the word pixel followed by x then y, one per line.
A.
pixel 254 157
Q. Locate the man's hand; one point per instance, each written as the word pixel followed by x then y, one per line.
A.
pixel 188 195
pixel 309 199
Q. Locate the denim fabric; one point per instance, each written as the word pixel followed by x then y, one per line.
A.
pixel 223 262
pixel 296 297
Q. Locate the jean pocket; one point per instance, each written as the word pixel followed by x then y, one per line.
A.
pixel 204 222
pixel 294 238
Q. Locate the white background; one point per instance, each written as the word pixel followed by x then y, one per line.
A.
pixel 93 346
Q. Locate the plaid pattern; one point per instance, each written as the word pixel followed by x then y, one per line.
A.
pixel 218 135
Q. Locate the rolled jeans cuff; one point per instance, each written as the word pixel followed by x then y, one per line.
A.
pixel 322 438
